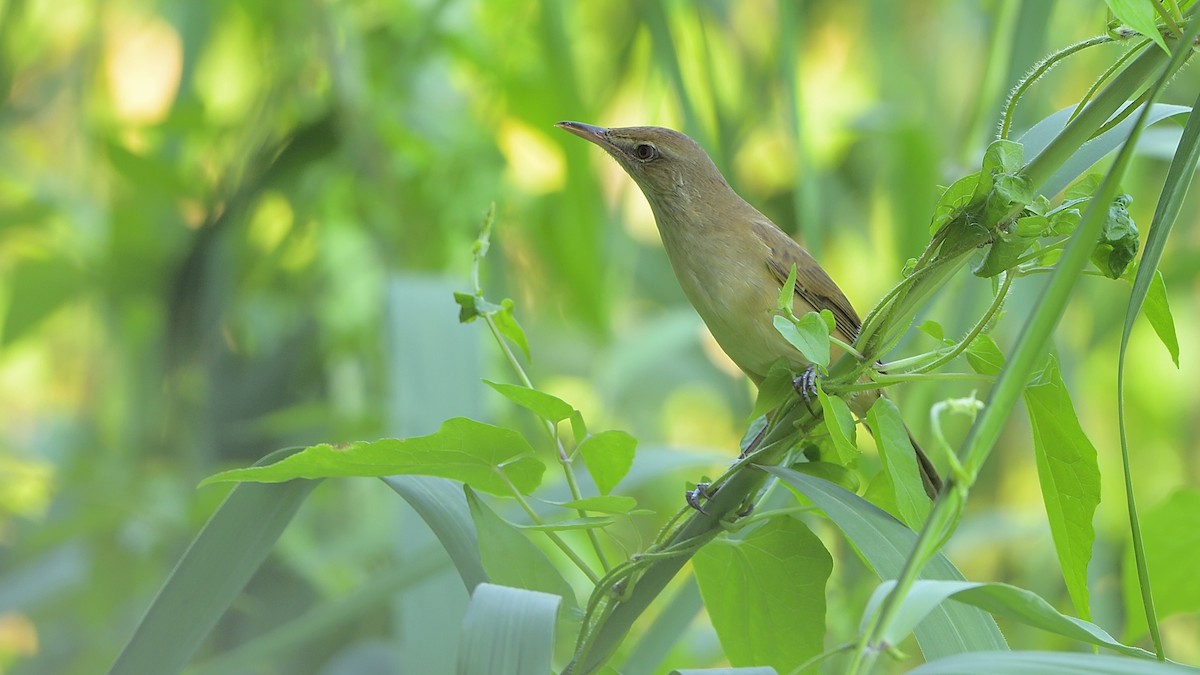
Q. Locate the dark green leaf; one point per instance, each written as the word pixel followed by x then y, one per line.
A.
pixel 1003 254
pixel 957 197
pixel 840 422
pixel 775 388
pixel 765 593
pixel 490 459
pixel 1119 242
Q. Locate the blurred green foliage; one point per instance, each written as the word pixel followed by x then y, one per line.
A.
pixel 229 227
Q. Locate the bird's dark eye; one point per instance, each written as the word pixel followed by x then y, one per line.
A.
pixel 645 151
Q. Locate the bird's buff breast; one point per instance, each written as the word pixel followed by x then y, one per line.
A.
pixel 736 296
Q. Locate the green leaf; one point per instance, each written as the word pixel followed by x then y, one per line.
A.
pixel 212 572
pixel 510 558
pixel 608 456
pixel 488 458
pixel 1083 188
pixel 587 523
pixel 1069 475
pixel 1063 222
pixel 775 388
pixel 1119 242
pixel 666 630
pixel 1158 313
pixel 1171 535
pixel 578 428
pixel 957 197
pixel 508 631
pixel 617 504
pixel 440 503
pixel 787 293
pixel 1004 157
pixel 506 323
pixel 1139 15
pixel 765 593
pixel 899 461
pixel 1031 226
pixel 1003 254
pixel 934 330
pixel 840 422
pixel 468 306
pixel 885 544
pixel 544 405
pixel 998 599
pixel 984 356
pixel 1041 663
pixel 809 334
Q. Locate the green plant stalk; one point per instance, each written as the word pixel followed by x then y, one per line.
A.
pixel 601 637
pixel 1029 348
pixel 1108 73
pixel 481 247
pixel 1041 68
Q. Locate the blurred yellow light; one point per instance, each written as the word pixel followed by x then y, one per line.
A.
pixel 271 221
pixel 535 164
pixel 143 62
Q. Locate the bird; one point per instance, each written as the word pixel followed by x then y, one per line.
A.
pixel 730 260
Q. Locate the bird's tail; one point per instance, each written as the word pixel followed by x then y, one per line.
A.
pixel 929 474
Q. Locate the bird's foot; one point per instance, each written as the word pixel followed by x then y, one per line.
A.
pixel 805 383
pixel 697 493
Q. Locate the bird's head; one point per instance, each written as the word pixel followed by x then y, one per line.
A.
pixel 670 168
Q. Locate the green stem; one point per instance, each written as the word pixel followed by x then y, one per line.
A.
pixel 1041 68
pixel 558 541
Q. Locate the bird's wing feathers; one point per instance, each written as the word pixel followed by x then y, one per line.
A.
pixel 813 285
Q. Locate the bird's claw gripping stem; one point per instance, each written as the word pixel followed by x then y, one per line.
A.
pixel 697 493
pixel 805 383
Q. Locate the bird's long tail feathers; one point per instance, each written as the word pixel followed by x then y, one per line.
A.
pixel 929 474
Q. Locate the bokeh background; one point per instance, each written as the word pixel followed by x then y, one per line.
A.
pixel 229 227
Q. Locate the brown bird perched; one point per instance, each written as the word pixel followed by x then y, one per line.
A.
pixel 730 259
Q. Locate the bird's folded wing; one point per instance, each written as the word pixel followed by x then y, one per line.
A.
pixel 813 285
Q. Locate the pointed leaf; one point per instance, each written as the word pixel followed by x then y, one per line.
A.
pixel 765 593
pixel 809 334
pixel 608 456
pixel 546 406
pixel 440 503
pixel 899 461
pixel 489 458
pixel 1069 475
pixel 1158 313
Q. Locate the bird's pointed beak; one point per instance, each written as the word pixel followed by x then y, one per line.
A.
pixel 597 135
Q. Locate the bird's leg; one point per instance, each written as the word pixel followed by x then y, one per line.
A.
pixel 753 445
pixel 693 496
pixel 805 384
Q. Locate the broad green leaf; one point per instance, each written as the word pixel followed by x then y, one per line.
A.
pixel 1063 222
pixel 440 503
pixel 1083 188
pixel 616 504
pixel 834 473
pixel 488 458
pixel 765 592
pixel 984 355
pixel 587 523
pixel 1031 226
pixel 546 406
pixel 1171 535
pixel 1037 138
pixel 1158 313
pixel 1139 15
pixel 211 574
pixel 510 558
pixel 809 334
pixel 885 544
pixel 1069 475
pixel 899 461
pixel 508 631
pixel 1119 242
pixel 506 323
pixel 998 599
pixel 1043 663
pixel 1003 157
pixel 775 388
pixel 608 456
pixel 840 422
